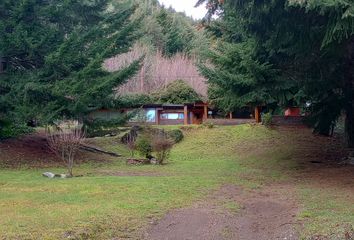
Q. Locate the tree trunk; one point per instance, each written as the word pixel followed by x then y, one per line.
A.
pixel 70 164
pixel 349 109
pixel 2 64
pixel 349 127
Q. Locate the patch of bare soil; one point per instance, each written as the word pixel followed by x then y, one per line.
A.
pixel 320 160
pixel 263 215
pixel 32 151
pixel 28 150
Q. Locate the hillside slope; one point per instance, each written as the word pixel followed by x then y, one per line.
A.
pixel 224 170
pixel 170 43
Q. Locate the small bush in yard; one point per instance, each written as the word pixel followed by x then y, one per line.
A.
pixel 208 124
pixel 176 135
pixel 267 119
pixel 9 129
pixel 187 128
pixel 143 146
pixel 162 146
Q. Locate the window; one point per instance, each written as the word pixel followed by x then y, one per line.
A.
pixel 144 115
pixel 172 116
pixel 150 115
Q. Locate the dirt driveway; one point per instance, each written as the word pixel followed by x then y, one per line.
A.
pixel 232 213
pixel 267 213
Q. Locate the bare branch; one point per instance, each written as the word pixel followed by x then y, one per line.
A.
pixel 65 144
pixel 157 71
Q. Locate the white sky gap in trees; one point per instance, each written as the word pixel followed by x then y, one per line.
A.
pixel 186 6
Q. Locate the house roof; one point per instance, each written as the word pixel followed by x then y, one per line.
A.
pixel 162 105
pixel 170 105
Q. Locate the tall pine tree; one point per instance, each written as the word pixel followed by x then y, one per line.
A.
pixel 310 45
pixel 54 52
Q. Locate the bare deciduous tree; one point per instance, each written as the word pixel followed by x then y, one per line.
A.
pixel 65 144
pixel 157 71
pixel 131 138
pixel 162 145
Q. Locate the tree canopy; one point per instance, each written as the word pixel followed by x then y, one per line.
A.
pixel 304 47
pixel 177 92
pixel 54 52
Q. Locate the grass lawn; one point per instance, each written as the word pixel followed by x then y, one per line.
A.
pixel 116 200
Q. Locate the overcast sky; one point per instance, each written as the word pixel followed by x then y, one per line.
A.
pixel 186 6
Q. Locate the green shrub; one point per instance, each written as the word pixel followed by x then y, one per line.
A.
pixel 177 92
pixel 208 124
pixel 133 99
pixel 267 119
pixel 187 128
pixel 9 130
pixel 143 146
pixel 176 135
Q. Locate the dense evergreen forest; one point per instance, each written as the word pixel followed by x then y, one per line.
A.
pixel 275 54
pixel 52 53
pixel 284 53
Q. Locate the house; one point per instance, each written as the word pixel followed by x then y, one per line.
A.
pixel 175 114
pixel 161 114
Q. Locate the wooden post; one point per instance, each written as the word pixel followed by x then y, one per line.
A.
pixel 185 115
pixel 230 115
pixel 257 114
pixel 205 116
pixel 157 117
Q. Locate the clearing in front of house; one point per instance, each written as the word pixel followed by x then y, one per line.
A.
pixel 243 181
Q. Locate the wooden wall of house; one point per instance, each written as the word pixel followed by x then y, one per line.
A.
pixel 171 122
